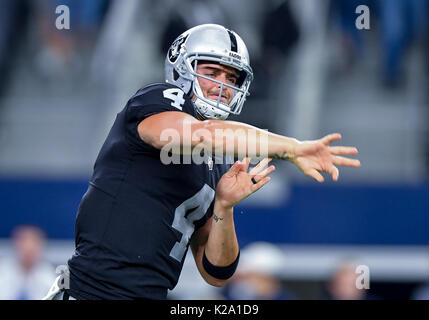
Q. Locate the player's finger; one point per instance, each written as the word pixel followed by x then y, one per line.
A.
pixel 245 164
pixel 235 169
pixel 260 184
pixel 342 161
pixel 335 173
pixel 260 166
pixel 258 177
pixel 315 175
pixel 331 138
pixel 343 150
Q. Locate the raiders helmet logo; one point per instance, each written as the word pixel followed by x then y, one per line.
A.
pixel 174 51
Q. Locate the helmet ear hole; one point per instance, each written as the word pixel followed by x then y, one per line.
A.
pixel 241 77
pixel 175 75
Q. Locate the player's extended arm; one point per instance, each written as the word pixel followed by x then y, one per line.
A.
pixel 242 140
pixel 217 238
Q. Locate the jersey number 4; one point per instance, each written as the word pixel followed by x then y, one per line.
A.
pixel 186 214
pixel 176 95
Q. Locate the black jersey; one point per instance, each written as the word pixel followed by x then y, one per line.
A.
pixel 135 221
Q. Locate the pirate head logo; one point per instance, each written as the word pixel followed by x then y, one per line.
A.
pixel 173 52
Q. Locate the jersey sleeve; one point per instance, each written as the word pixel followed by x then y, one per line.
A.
pixel 148 101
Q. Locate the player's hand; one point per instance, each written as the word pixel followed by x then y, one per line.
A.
pixel 236 184
pixel 313 157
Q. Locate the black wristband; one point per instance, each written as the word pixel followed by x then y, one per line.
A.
pixel 217 272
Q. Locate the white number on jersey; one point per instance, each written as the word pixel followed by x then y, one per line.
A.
pixel 176 95
pixel 200 202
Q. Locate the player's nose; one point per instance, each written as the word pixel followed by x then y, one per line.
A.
pixel 222 78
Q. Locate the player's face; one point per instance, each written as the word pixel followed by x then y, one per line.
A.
pixel 218 72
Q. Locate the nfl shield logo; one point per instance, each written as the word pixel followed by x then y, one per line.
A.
pixel 210 163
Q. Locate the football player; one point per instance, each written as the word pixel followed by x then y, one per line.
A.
pixel 139 216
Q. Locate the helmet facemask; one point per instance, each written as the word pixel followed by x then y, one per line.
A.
pixel 216 109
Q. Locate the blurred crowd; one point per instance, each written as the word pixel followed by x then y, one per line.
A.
pixel 30 25
pixel 98 38
pixel 401 23
pixel 26 274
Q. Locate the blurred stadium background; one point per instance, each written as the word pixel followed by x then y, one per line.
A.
pixel 316 73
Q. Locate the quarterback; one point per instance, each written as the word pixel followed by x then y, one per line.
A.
pixel 139 216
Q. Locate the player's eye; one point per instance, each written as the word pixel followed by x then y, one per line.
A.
pixel 233 80
pixel 209 73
